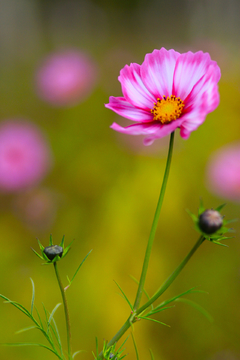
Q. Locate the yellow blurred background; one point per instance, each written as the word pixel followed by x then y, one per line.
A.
pixel 102 188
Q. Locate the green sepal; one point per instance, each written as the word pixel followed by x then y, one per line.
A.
pixel 65 251
pixel 37 254
pixel 201 208
pixel 219 208
pixel 40 245
pixel 219 234
pixel 44 257
pixel 62 242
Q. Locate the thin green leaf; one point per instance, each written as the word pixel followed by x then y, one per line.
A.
pixel 34 344
pixel 17 305
pixel 150 319
pixel 151 353
pixel 155 311
pixel 197 307
pixel 38 316
pixel 166 302
pixel 135 347
pixel 33 296
pixel 53 312
pixel 57 333
pixel 125 297
pixel 47 333
pixel 50 241
pixel 26 329
pixel 57 336
pixel 45 312
pixel 79 267
pixel 77 352
pixel 123 344
pixel 219 208
pixel 122 357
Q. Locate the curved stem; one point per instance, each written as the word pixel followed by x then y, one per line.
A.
pixel 158 293
pixel 154 226
pixel 65 310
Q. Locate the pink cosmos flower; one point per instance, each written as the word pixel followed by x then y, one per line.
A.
pixel 168 91
pixel 66 78
pixel 24 155
pixel 223 172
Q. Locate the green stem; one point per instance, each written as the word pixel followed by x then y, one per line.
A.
pixel 158 293
pixel 65 310
pixel 154 226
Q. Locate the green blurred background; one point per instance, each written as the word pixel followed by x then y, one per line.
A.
pixel 103 187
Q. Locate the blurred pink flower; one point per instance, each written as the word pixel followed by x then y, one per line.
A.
pixel 168 91
pixel 223 172
pixel 24 155
pixel 66 78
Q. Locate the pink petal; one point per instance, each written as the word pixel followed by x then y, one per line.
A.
pixel 205 92
pixel 133 88
pixel 125 109
pixel 191 121
pixel 157 71
pixel 137 129
pixel 203 99
pixel 190 68
pixel 162 131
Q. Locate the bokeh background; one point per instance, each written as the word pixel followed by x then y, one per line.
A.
pixel 100 188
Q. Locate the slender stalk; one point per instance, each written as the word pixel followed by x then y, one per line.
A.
pixel 158 293
pixel 154 226
pixel 65 310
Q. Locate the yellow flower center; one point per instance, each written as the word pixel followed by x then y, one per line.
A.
pixel 167 109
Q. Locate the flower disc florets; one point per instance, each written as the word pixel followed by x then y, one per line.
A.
pixel 52 253
pixel 168 91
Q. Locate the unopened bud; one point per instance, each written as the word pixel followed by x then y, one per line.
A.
pixel 210 221
pixel 52 251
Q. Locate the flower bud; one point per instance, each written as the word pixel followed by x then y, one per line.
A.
pixel 52 251
pixel 210 221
